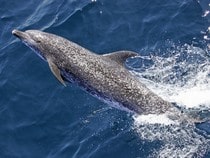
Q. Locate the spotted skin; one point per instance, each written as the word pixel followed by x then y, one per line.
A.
pixel 104 76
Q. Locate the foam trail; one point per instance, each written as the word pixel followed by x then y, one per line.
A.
pixel 176 140
pixel 181 76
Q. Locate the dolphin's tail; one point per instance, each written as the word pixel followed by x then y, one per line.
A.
pixel 198 116
pixel 189 115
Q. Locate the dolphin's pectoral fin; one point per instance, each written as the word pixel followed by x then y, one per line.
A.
pixel 55 71
pixel 121 56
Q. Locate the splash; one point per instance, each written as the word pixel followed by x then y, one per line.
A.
pixel 177 140
pixel 183 76
pixel 154 119
pixel 180 75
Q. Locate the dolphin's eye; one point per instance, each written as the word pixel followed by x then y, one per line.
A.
pixel 38 41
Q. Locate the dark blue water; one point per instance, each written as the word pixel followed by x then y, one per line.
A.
pixel 39 117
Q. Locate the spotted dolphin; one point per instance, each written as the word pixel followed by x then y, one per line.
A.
pixel 104 76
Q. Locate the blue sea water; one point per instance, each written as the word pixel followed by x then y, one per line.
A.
pixel 40 118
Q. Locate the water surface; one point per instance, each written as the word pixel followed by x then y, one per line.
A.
pixel 41 118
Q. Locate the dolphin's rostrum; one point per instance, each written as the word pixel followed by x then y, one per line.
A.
pixel 104 76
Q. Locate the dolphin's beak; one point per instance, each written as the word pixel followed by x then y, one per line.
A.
pixel 19 34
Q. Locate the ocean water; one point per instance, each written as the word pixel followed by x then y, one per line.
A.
pixel 39 118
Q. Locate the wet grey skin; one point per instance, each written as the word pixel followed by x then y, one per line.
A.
pixel 104 76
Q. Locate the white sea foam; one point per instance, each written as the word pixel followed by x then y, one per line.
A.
pixel 154 119
pixel 183 77
pixel 177 141
pixel 193 97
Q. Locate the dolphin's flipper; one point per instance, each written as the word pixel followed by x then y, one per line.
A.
pixel 55 71
pixel 121 56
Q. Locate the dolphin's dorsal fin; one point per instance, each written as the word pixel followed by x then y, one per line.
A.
pixel 55 70
pixel 121 56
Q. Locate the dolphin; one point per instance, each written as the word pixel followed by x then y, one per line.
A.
pixel 104 76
